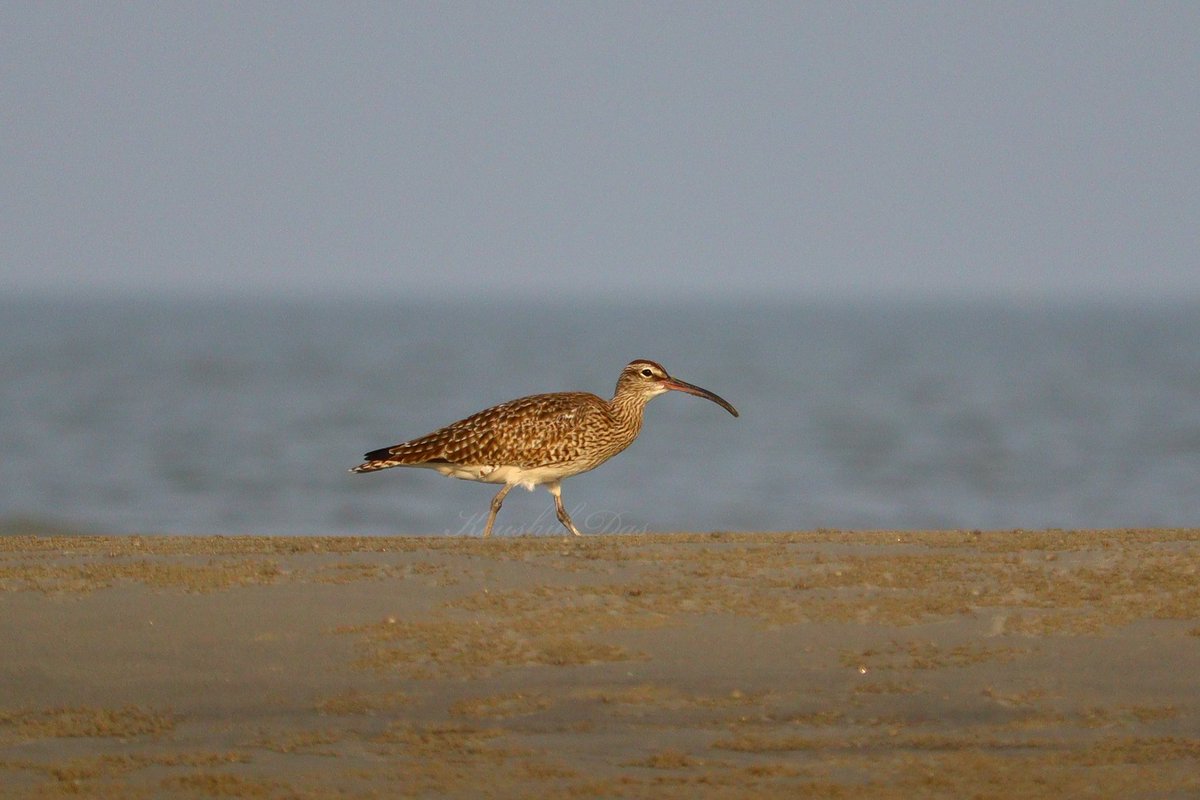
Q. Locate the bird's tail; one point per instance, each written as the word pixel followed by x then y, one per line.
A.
pixel 373 466
pixel 379 459
pixel 401 455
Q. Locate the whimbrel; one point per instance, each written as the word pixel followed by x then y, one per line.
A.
pixel 541 439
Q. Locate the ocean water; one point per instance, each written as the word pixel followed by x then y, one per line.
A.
pixel 243 417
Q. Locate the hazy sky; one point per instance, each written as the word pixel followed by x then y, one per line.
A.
pixel 628 149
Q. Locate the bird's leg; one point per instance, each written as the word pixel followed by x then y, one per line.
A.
pixel 563 517
pixel 497 501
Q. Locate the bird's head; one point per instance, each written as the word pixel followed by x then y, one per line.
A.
pixel 647 379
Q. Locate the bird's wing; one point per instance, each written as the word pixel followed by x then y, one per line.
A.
pixel 538 430
pixel 550 428
pixel 528 432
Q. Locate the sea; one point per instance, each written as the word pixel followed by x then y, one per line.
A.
pixel 242 416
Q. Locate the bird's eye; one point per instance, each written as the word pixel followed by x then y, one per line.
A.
pixel 647 373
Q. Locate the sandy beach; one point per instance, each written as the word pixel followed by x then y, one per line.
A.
pixel 826 664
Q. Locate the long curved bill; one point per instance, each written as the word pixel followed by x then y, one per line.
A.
pixel 684 386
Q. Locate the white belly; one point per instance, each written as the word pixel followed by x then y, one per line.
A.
pixel 514 476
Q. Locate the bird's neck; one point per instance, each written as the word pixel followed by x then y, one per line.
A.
pixel 629 408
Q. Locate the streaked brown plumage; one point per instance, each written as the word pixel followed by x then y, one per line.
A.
pixel 540 439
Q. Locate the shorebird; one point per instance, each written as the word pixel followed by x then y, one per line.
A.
pixel 541 439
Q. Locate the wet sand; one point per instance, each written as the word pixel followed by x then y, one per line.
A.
pixel 828 664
